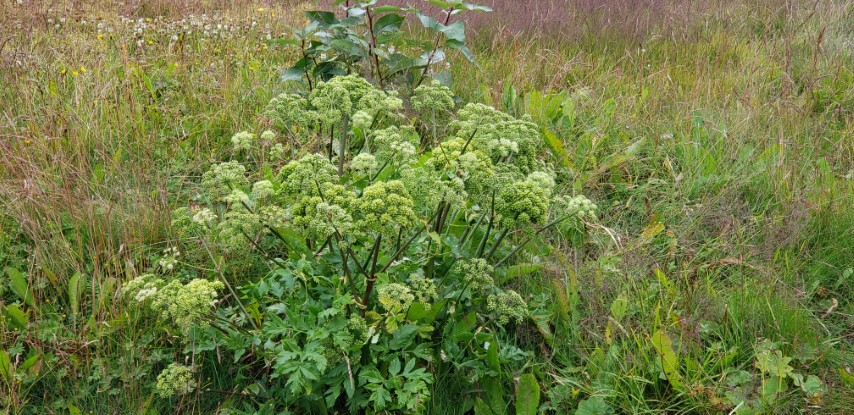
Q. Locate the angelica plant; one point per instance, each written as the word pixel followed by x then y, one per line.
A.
pixel 379 248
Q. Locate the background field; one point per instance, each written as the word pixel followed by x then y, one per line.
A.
pixel 717 137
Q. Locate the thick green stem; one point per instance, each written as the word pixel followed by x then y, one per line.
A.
pixel 342 144
pixel 497 242
pixel 372 277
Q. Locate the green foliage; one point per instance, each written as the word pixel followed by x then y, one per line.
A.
pixel 371 40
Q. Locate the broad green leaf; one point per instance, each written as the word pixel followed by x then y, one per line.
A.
pixel 74 293
pixel 669 361
pixel 5 366
pixel 464 327
pixel 594 406
pixel 492 356
pixel 388 23
pixel 386 9
pixel 619 307
pixel 403 336
pixel 30 362
pixel 519 270
pixel 472 7
pixel 441 3
pixel 292 74
pixel 494 395
pixel 20 286
pixel 17 317
pixel 481 408
pixel 527 395
pixel 321 16
pixel 349 47
pixel 846 377
pixel 416 312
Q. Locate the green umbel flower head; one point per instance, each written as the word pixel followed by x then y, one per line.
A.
pixel 522 202
pixel 325 212
pixel 185 305
pixel 544 180
pixel 507 306
pixel 331 102
pixel 395 298
pixel 364 163
pixel 205 216
pixel 580 206
pixel 176 379
pixel 242 141
pixel 504 138
pixel 469 165
pixel 429 188
pixel 424 289
pixel 304 175
pixel 385 207
pixel 288 112
pixel 263 189
pixel 477 273
pixel 235 232
pixel 377 102
pixel 221 179
pixel 395 145
pixel 432 99
pixel 362 120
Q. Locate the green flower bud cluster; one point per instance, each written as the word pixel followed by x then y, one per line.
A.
pixel 304 175
pixel 364 163
pixel 268 135
pixel 507 306
pixel 325 212
pixel 169 259
pixel 544 180
pixel 477 273
pixel 288 112
pixel 176 379
pixel 471 164
pixel 362 120
pixel 432 99
pixel 263 189
pixel 358 328
pixel 580 206
pixel 395 144
pixel 236 197
pixel 428 189
pixel 277 152
pixel 275 216
pixel 395 298
pixel 504 138
pixel 234 232
pixel 522 202
pixel 424 289
pixel 204 217
pixel 184 304
pixel 330 102
pixel 350 96
pixel 185 225
pixel 385 207
pixel 220 179
pixel 376 101
pixel 242 141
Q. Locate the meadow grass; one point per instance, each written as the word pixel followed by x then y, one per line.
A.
pixel 719 146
